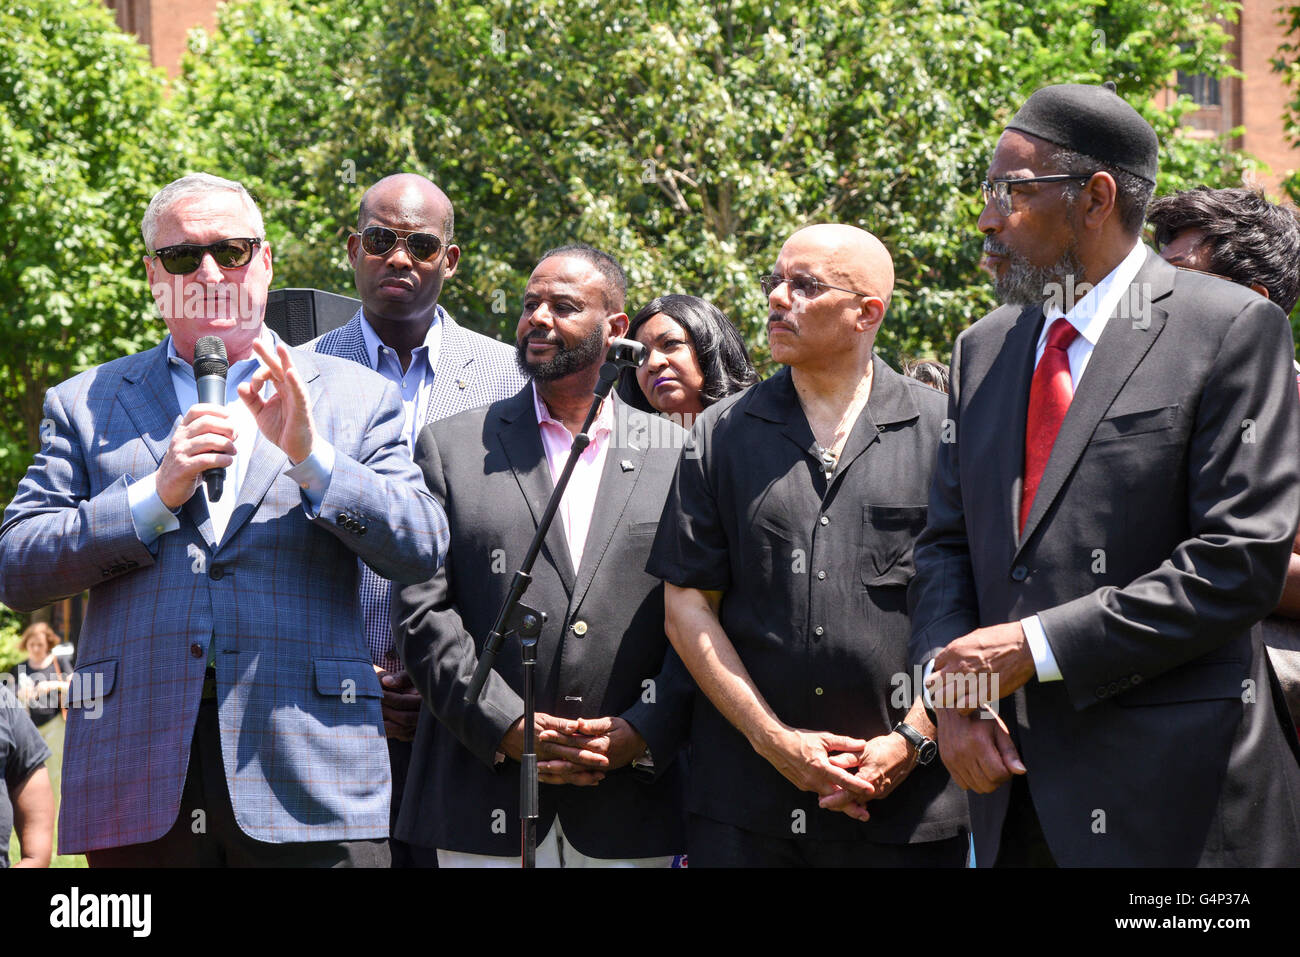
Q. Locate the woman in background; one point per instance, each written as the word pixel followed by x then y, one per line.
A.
pixel 696 357
pixel 42 680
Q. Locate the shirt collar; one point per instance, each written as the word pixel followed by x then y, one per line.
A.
pixel 1091 313
pixel 603 425
pixel 238 371
pixel 431 338
pixel 891 401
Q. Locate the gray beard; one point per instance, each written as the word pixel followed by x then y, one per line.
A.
pixel 1023 284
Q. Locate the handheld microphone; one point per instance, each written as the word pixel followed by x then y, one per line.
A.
pixel 210 367
pixel 626 353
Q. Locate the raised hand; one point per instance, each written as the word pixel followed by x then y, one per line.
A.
pixel 284 418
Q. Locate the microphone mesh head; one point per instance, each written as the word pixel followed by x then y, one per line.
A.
pixel 210 357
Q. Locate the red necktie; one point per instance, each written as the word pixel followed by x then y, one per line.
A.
pixel 1049 398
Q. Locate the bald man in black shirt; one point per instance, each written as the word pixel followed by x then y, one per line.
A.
pixel 786 546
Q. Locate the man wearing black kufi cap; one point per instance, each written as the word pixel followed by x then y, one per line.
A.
pixel 1113 517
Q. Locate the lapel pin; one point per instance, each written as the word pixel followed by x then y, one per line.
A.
pixel 461 383
pixel 627 465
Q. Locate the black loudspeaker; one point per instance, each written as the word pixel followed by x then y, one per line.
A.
pixel 300 315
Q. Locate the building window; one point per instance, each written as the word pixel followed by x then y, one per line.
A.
pixel 1203 89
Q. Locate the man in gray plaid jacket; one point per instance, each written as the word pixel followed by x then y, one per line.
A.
pixel 401 254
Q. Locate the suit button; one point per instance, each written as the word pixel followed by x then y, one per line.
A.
pixel 1019 573
pixel 817 691
pixel 361 529
pixel 821 576
pixel 1135 679
pixel 1123 684
pixel 1113 687
pixel 819 631
pixel 196 650
pixel 216 573
pixel 825 520
pixel 342 519
pixel 579 628
pixel 1101 692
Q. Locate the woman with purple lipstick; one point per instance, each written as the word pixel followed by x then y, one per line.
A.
pixel 696 357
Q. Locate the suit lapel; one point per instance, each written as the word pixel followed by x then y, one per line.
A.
pixel 521 440
pixel 451 374
pixel 612 496
pixel 1015 364
pixel 1123 344
pixel 149 398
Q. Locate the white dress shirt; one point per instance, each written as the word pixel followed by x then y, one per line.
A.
pixel 148 513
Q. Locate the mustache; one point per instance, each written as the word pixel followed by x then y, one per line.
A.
pixel 996 248
pixel 551 340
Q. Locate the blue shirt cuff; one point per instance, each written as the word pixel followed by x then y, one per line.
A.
pixel 313 475
pixel 1044 661
pixel 151 518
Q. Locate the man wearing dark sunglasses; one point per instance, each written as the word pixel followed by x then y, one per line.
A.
pixel 401 254
pixel 224 711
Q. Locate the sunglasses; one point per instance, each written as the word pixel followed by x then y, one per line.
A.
pixel 380 240
pixel 184 258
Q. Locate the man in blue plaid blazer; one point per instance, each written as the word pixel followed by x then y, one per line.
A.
pixel 401 255
pixel 224 710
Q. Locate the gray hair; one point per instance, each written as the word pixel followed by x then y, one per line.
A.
pixel 195 184
pixel 1132 193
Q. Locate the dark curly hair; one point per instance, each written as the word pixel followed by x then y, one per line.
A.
pixel 719 349
pixel 1249 239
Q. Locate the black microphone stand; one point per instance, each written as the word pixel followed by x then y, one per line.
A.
pixel 517 618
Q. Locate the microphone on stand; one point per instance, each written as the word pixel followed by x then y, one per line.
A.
pixel 210 368
pixel 626 353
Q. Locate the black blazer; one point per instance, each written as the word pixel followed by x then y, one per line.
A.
pixel 602 651
pixel 1160 534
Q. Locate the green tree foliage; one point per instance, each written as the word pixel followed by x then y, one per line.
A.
pixel 687 139
pixel 83 145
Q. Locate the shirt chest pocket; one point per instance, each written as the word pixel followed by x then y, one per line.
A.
pixel 885 543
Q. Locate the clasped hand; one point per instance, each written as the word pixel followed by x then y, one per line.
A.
pixel 576 750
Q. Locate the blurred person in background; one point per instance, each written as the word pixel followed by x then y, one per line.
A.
pixel 929 372
pixel 42 680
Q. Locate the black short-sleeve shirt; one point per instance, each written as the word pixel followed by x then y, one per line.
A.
pixel 22 751
pixel 814 574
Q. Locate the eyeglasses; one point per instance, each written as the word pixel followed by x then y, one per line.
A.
pixel 379 241
pixel 805 287
pixel 184 258
pixel 1000 189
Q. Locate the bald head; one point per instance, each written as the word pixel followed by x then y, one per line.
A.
pixel 850 257
pixel 834 287
pixel 412 195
